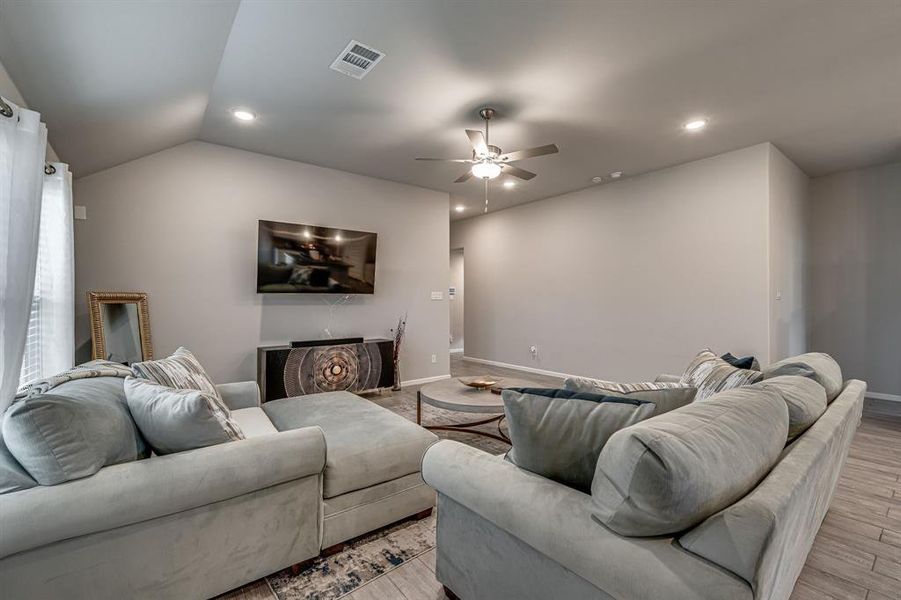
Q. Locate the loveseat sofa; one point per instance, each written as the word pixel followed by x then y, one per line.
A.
pixel 313 472
pixel 504 532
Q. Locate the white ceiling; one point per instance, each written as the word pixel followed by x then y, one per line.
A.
pixel 608 82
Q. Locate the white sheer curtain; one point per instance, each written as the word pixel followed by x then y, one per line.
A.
pixel 53 305
pixel 23 141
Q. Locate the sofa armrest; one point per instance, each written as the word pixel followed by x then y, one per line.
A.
pixel 141 490
pixel 243 394
pixel 667 378
pixel 556 521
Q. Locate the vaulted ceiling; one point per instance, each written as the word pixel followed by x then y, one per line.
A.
pixel 609 82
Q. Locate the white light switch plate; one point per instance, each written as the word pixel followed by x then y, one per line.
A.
pixel 437 295
pixel 80 213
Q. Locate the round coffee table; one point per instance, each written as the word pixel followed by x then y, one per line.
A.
pixel 451 394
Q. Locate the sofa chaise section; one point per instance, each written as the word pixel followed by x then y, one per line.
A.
pixel 372 471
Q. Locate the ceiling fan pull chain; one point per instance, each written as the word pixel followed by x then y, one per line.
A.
pixel 486 185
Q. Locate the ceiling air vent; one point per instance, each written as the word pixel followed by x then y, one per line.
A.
pixel 357 60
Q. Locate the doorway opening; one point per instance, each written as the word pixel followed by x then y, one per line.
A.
pixel 455 301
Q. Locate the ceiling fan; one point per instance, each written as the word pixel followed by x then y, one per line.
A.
pixel 490 161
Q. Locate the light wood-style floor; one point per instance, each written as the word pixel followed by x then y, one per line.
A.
pixel 856 556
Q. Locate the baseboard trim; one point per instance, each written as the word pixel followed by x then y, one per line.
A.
pixel 880 396
pixel 495 363
pixel 425 380
pixel 456 350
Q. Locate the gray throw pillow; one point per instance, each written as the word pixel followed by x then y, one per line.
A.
pixel 174 420
pixel 804 397
pixel 711 374
pixel 13 478
pixel 818 366
pixel 182 371
pixel 559 434
pixel 666 396
pixel 671 472
pixel 72 433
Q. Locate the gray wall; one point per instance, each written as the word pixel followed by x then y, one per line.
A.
pixel 854 310
pixel 787 232
pixel 181 225
pixel 627 279
pixel 456 305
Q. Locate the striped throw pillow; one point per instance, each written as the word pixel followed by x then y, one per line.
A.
pixel 666 396
pixel 711 374
pixel 181 371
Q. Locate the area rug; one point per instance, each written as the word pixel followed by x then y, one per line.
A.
pixel 362 561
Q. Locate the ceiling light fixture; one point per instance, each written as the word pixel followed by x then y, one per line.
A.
pixel 486 169
pixel 616 174
pixel 695 125
pixel 337 238
pixel 459 208
pixel 509 184
pixel 597 179
pixel 243 115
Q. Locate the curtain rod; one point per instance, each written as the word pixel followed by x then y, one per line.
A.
pixel 5 109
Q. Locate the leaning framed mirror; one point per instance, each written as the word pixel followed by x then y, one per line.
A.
pixel 120 326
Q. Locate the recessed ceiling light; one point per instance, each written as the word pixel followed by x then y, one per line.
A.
pixel 243 115
pixel 338 238
pixel 509 184
pixel 459 208
pixel 695 125
pixel 597 179
pixel 616 174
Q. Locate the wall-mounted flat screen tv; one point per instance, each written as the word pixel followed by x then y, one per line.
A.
pixel 308 259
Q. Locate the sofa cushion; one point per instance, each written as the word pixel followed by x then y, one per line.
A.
pixel 13 478
pixel 81 427
pixel 366 444
pixel 253 422
pixel 804 397
pixel 670 472
pixel 818 366
pixel 174 420
pixel 711 374
pixel 666 396
pixel 559 434
pixel 182 371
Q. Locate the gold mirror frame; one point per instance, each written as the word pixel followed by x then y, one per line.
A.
pixel 98 343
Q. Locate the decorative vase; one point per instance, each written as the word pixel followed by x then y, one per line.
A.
pixel 398 339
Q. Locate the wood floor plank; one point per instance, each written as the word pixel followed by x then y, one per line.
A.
pixel 429 558
pixel 892 537
pixel 864 578
pixel 258 590
pixel 803 591
pixel 380 588
pixel 416 581
pixel 843 552
pixel 860 542
pixel 888 567
pixel 830 584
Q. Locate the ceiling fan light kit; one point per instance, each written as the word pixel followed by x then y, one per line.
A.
pixel 488 161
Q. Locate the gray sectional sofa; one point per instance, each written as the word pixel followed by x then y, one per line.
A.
pixel 504 532
pixel 313 472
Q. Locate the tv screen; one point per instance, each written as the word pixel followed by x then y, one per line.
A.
pixel 307 259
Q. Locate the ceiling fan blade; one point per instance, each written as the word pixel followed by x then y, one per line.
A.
pixel 456 160
pixel 477 139
pixel 464 177
pixel 517 172
pixel 530 153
